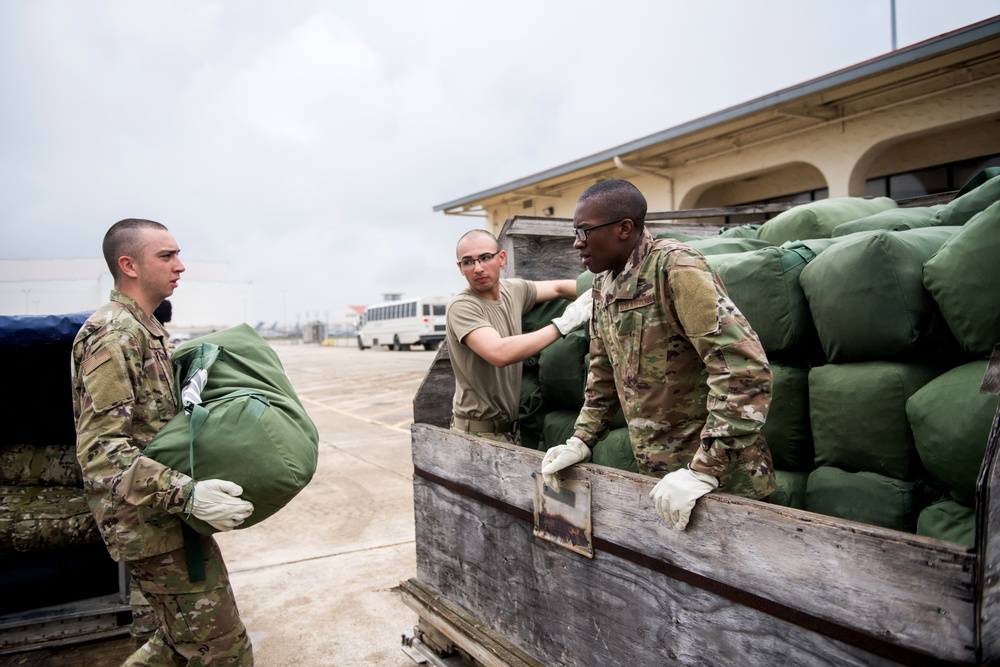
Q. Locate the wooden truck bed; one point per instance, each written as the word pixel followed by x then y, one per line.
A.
pixel 747 583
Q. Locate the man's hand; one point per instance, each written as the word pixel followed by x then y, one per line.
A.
pixel 217 503
pixel 675 495
pixel 576 314
pixel 562 456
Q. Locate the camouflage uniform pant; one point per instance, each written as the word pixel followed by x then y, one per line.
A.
pixel 199 623
pixel 509 438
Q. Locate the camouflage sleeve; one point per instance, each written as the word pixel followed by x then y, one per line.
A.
pixel 739 377
pixel 600 400
pixel 110 376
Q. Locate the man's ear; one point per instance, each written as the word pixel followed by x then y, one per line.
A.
pixel 625 231
pixel 128 266
pixel 502 258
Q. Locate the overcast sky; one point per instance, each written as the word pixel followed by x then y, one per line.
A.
pixel 305 142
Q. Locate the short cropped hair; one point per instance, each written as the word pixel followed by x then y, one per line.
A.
pixel 123 239
pixel 618 199
pixel 475 232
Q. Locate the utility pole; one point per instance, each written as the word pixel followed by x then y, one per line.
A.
pixel 892 20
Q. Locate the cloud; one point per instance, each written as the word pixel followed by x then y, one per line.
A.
pixel 306 142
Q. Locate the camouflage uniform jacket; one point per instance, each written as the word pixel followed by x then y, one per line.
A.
pixel 690 373
pixel 123 393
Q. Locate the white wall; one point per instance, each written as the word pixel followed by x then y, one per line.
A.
pixel 205 298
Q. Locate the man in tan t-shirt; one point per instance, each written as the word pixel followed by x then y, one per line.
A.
pixel 485 340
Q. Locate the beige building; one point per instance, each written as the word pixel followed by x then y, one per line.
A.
pixel 920 120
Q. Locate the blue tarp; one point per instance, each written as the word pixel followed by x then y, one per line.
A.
pixel 40 329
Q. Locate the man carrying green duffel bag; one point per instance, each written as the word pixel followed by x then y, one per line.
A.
pixel 242 422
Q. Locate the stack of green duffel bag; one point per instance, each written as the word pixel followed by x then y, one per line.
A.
pixel 851 332
pixel 873 338
pixel 552 387
pixel 950 417
pixel 877 328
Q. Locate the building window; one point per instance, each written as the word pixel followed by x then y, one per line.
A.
pixel 930 181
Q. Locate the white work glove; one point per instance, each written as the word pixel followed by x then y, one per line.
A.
pixel 576 314
pixel 675 494
pixel 191 393
pixel 217 503
pixel 562 456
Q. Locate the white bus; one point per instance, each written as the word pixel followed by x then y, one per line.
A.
pixel 400 324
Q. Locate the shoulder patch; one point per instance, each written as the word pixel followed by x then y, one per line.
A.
pixel 105 381
pixel 695 301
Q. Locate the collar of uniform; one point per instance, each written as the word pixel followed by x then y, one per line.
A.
pixel 625 285
pixel 151 325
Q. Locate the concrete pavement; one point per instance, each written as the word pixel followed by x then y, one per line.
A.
pixel 316 582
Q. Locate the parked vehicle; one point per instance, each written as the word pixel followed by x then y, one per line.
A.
pixel 400 324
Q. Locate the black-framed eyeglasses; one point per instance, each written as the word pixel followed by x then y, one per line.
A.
pixel 469 262
pixel 581 232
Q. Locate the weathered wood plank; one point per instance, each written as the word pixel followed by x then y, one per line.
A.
pixel 565 609
pixel 432 404
pixel 475 637
pixel 542 248
pixel 910 591
pixel 720 211
pixel 988 547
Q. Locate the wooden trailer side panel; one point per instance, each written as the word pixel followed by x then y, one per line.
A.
pixel 432 404
pixel 542 248
pixel 746 583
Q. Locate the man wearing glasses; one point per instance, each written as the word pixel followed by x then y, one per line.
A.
pixel 669 344
pixel 485 340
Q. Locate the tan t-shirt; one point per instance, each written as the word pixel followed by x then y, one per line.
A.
pixel 483 391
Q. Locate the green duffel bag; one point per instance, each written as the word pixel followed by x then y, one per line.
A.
pixel 858 415
pixel 893 219
pixel 787 430
pixel 557 428
pixel 791 488
pixel 970 201
pixel 740 231
pixel 812 247
pixel 818 219
pixel 764 285
pixel 249 427
pixel 531 410
pixel 951 423
pixel 726 245
pixel 981 177
pixel 867 297
pixel 615 451
pixel 948 520
pixel 865 497
pixel 963 277
pixel 541 315
pixel 562 372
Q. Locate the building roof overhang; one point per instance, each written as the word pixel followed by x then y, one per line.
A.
pixel 963 57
